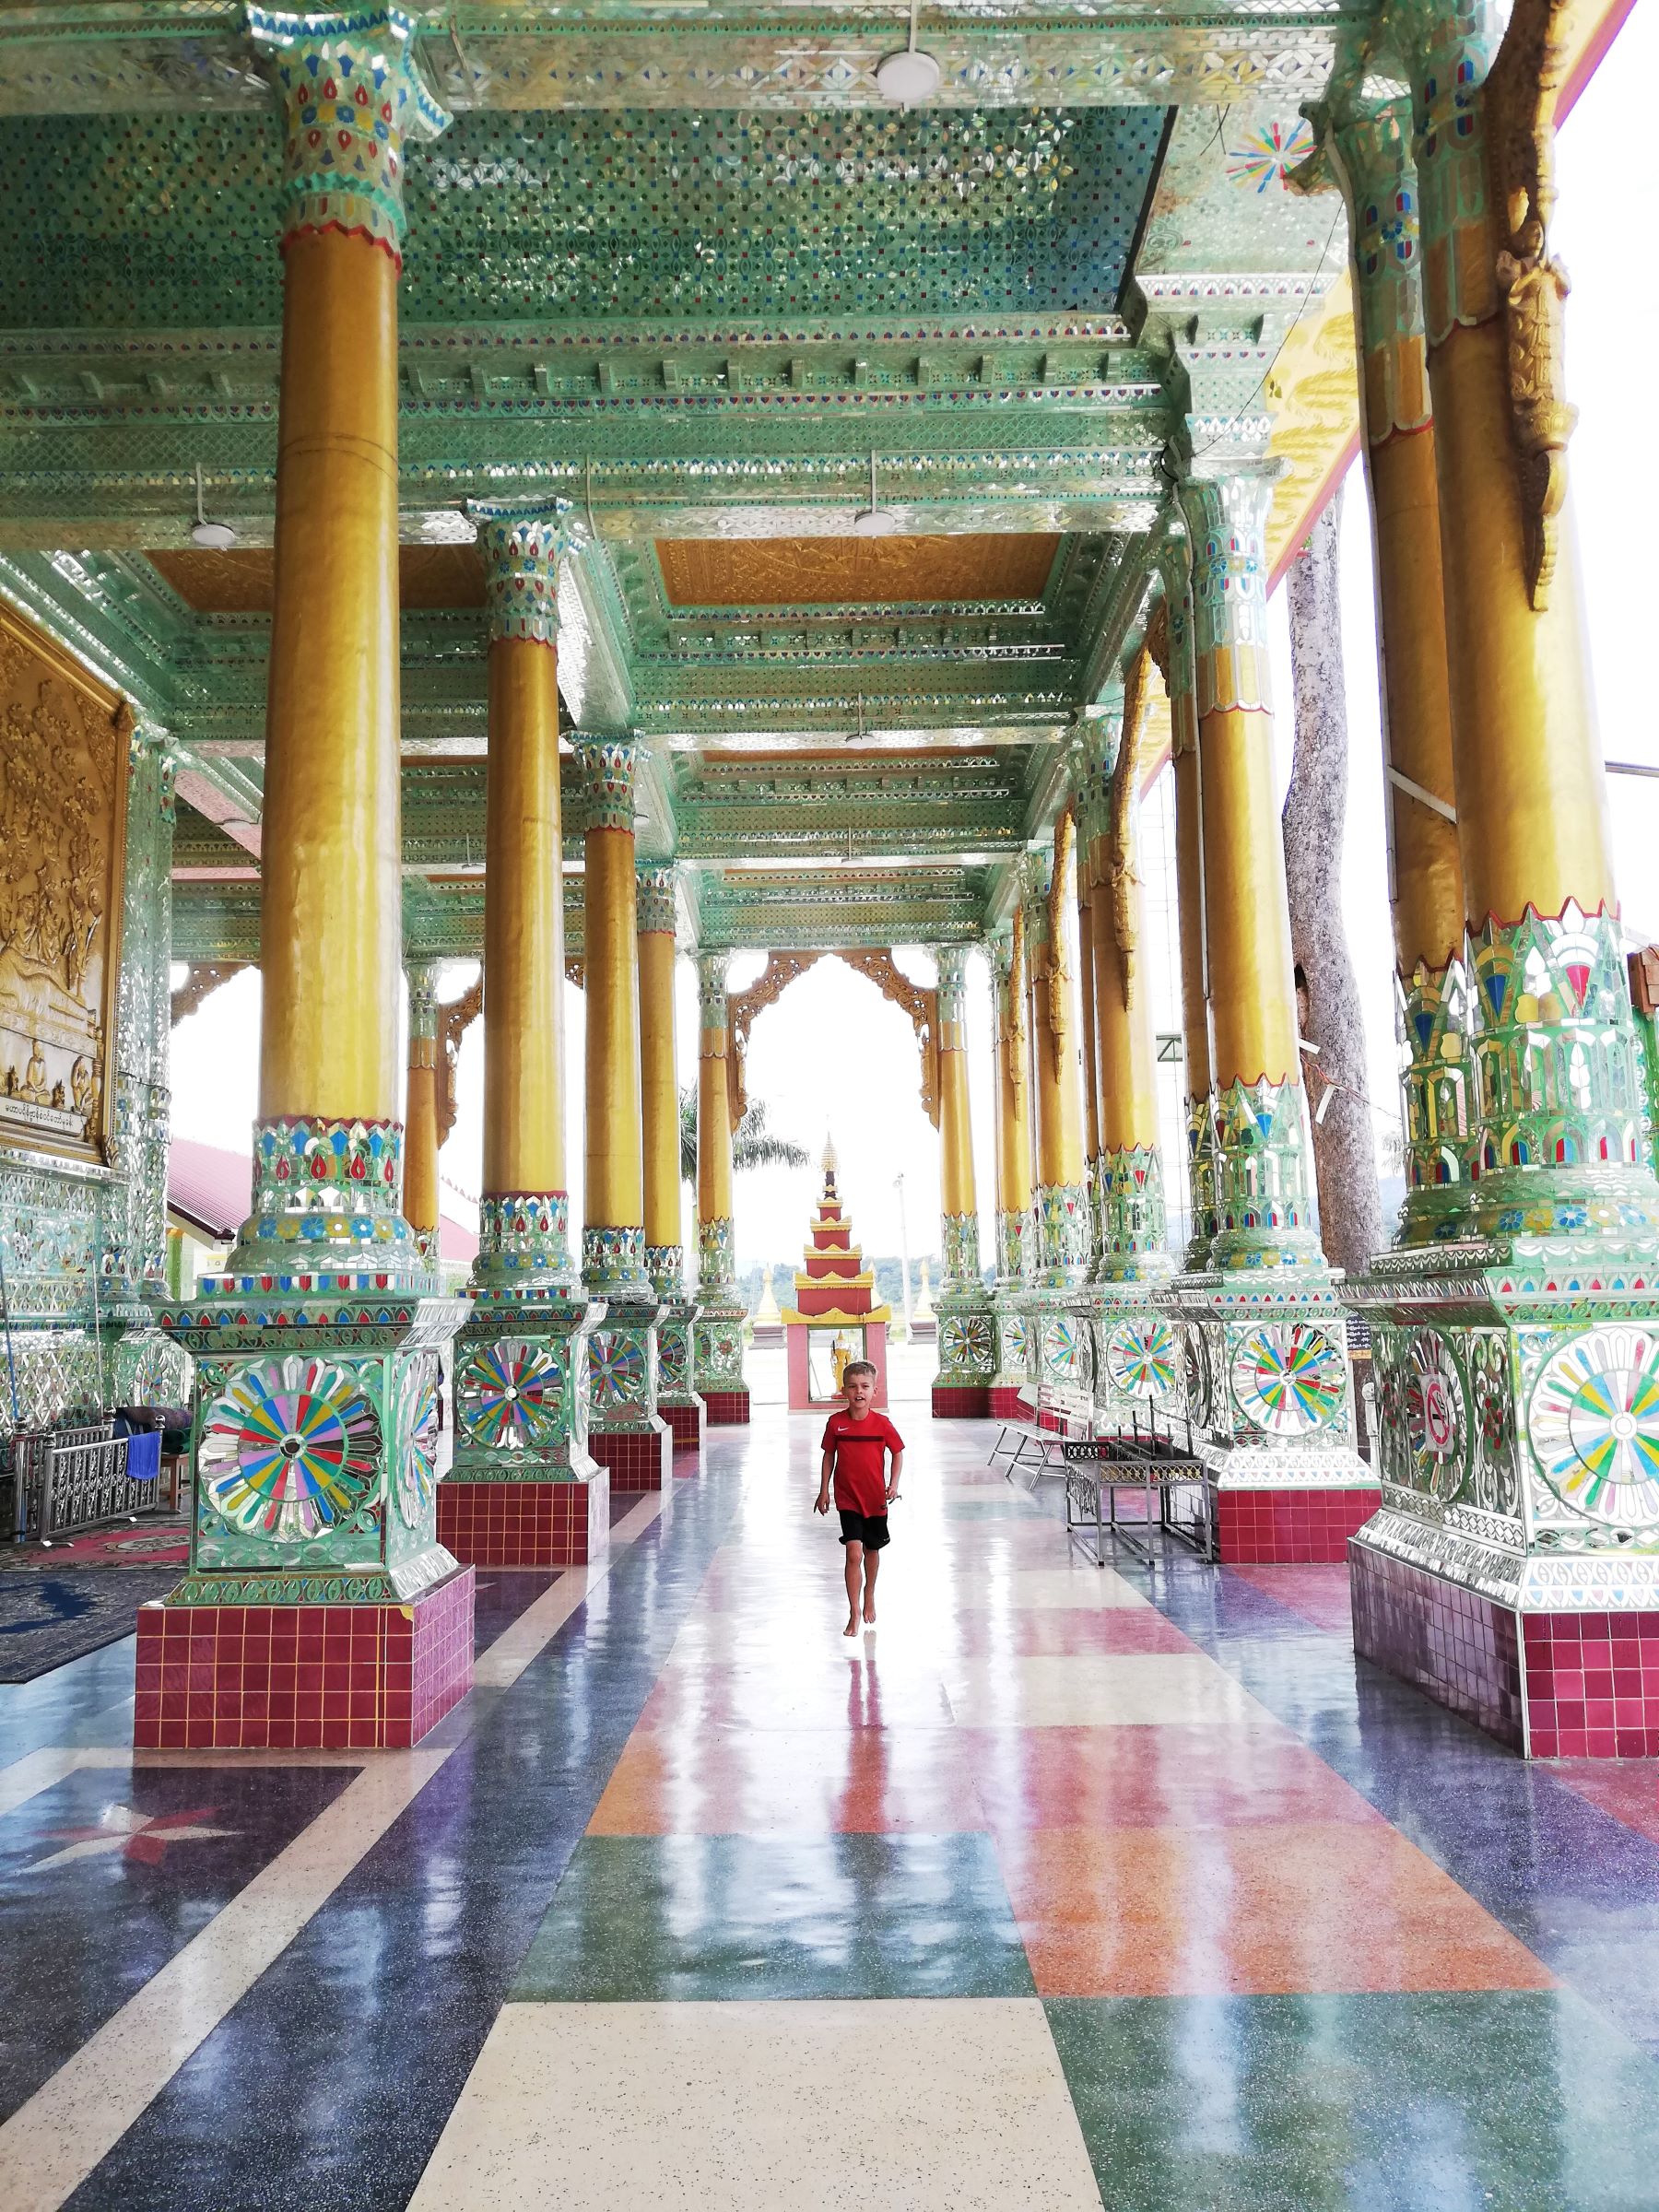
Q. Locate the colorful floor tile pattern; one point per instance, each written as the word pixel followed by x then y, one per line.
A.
pixel 1063 1887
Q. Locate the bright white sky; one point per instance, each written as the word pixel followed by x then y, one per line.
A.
pixel 880 1131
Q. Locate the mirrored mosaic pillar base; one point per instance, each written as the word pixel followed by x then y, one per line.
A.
pixel 968 1348
pixel 626 1432
pixel 717 1334
pixel 522 1489
pixel 1513 1572
pixel 717 1348
pixel 318 1609
pixel 677 1401
pixel 1134 1357
pixel 1013 1384
pixel 1269 1393
pixel 1061 1350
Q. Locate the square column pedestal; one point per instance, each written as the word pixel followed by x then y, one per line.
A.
pixel 717 1340
pixel 1512 1573
pixel 1139 1380
pixel 678 1402
pixel 1269 1393
pixel 320 1609
pixel 961 1389
pixel 1013 1386
pixel 524 1489
pixel 626 1432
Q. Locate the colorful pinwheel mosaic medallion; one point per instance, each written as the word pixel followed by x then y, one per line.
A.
pixel 1594 1425
pixel 1140 1358
pixel 1288 1378
pixel 1065 1349
pixel 290 1449
pixel 616 1368
pixel 507 1395
pixel 417 1432
pixel 1436 1421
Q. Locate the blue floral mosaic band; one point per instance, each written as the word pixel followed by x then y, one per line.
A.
pixel 523 1244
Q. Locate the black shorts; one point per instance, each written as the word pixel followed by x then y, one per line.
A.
pixel 869 1529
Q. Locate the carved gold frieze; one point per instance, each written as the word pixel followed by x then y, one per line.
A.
pixel 64 747
pixel 855 571
pixel 242 580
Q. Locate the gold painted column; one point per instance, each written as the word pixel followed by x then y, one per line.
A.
pixel 1086 1002
pixel 523 1220
pixel 1432 992
pixel 1264 1208
pixel 659 1085
pixel 1549 981
pixel 1061 1198
pixel 718 1374
pixel 520 1394
pixel 315 1437
pixel 1015 1240
pixel 1132 1217
pixel 966 1332
pixel 625 1430
pixel 1263 1336
pixel 420 1109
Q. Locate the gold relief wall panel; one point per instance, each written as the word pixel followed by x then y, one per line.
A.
pixel 854 571
pixel 63 746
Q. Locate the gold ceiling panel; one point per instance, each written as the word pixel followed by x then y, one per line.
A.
pixel 852 571
pixel 240 581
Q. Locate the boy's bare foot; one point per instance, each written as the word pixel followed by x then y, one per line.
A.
pixel 851 1627
pixel 869 1614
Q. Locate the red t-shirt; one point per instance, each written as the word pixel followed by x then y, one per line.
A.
pixel 859 1451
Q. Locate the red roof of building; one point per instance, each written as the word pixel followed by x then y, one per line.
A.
pixel 208 1188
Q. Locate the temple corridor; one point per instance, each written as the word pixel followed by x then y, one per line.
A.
pixel 1061 1882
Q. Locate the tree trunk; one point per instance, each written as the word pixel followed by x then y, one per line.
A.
pixel 1327 1000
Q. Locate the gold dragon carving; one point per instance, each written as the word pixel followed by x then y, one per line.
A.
pixel 64 748
pixel 1520 152
pixel 1122 875
pixel 1058 974
pixel 455 1017
pixel 1012 1033
pixel 202 978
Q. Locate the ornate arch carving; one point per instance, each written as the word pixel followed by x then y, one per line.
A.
pixel 920 1001
pixel 202 978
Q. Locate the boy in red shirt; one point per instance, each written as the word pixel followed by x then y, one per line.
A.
pixel 856 1444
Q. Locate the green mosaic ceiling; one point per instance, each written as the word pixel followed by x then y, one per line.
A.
pixel 684 267
pixel 864 214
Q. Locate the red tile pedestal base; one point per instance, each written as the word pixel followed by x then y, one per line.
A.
pixel 685 1425
pixel 1551 1685
pixel 726 1408
pixel 1285 1527
pixel 302 1678
pixel 1009 1403
pixel 526 1524
pixel 961 1401
pixel 638 1459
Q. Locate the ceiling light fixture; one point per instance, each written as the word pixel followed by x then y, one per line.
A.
pixel 875 521
pixel 911 77
pixel 214 537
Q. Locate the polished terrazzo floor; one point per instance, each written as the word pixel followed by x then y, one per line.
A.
pixel 1062 1887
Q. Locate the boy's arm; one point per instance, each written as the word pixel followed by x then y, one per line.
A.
pixel 893 1472
pixel 821 1503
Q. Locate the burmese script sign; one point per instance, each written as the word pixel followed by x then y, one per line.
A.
pixel 64 742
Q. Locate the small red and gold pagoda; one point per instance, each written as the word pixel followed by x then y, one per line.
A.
pixel 835 1317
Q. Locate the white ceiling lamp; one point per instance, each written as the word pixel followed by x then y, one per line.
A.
pixel 213 537
pixel 910 78
pixel 875 521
